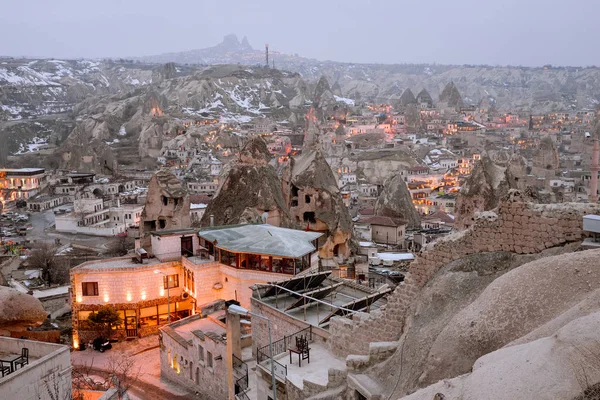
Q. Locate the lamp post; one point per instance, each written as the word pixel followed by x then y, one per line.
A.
pixel 156 271
pixel 243 312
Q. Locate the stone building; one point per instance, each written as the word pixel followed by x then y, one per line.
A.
pixel 186 268
pixel 21 183
pixel 193 351
pixel 99 218
pixel 167 206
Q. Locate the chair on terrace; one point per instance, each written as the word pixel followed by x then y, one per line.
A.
pixel 301 349
pixel 23 359
pixel 5 367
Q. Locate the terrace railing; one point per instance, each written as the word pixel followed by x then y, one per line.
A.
pixel 240 372
pixel 279 347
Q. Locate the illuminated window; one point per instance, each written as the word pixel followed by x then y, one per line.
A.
pixel 171 281
pixel 89 288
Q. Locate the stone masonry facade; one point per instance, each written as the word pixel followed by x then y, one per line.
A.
pixel 518 226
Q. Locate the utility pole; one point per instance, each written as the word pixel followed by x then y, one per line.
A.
pixel 267 55
pixel 594 172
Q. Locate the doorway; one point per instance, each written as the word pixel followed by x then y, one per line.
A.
pixel 187 246
pixel 131 323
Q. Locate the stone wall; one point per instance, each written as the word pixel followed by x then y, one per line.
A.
pixel 180 362
pixel 518 226
pixel 46 377
pixel 281 325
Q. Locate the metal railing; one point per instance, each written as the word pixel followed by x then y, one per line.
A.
pixel 242 396
pixel 240 370
pixel 281 346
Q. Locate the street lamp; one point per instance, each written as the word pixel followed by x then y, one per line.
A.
pixel 243 312
pixel 156 271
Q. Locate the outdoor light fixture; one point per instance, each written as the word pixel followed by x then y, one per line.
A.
pixel 234 309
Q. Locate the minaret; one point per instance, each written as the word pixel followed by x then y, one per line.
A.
pixel 594 171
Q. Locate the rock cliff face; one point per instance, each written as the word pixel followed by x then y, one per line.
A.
pixel 84 154
pixel 250 191
pixel 311 192
pixel 559 366
pixel 395 201
pixel 520 311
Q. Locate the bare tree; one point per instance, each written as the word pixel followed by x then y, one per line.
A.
pixel 119 246
pixel 121 373
pixel 52 388
pixel 54 268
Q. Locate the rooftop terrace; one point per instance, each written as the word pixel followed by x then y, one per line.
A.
pixel 316 298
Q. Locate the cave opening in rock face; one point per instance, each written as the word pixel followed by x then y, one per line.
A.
pixel 309 216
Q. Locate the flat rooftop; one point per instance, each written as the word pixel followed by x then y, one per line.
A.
pixel 22 171
pixel 262 239
pixel 39 352
pixel 120 263
pixel 187 329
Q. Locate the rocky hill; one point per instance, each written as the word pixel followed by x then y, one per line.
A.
pixel 521 88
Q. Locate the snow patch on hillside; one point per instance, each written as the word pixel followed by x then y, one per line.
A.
pixel 339 99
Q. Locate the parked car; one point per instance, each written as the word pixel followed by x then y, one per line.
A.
pixel 101 344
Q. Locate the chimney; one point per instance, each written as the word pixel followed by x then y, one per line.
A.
pixel 594 172
pixel 212 220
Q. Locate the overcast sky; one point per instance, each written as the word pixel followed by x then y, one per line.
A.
pixel 515 32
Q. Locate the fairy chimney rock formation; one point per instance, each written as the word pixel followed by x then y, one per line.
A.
pixel 250 191
pixel 310 189
pixel 407 98
pixel 425 98
pixel 482 191
pixel 395 201
pixel 450 96
pixel 167 205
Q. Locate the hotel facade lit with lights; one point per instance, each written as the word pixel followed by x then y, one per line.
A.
pixel 186 268
pixel 21 183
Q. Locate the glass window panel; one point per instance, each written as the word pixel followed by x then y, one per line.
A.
pixel 163 308
pixel 148 311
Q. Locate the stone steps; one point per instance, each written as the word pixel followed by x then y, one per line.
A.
pixel 366 386
pixel 337 393
pixel 378 352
